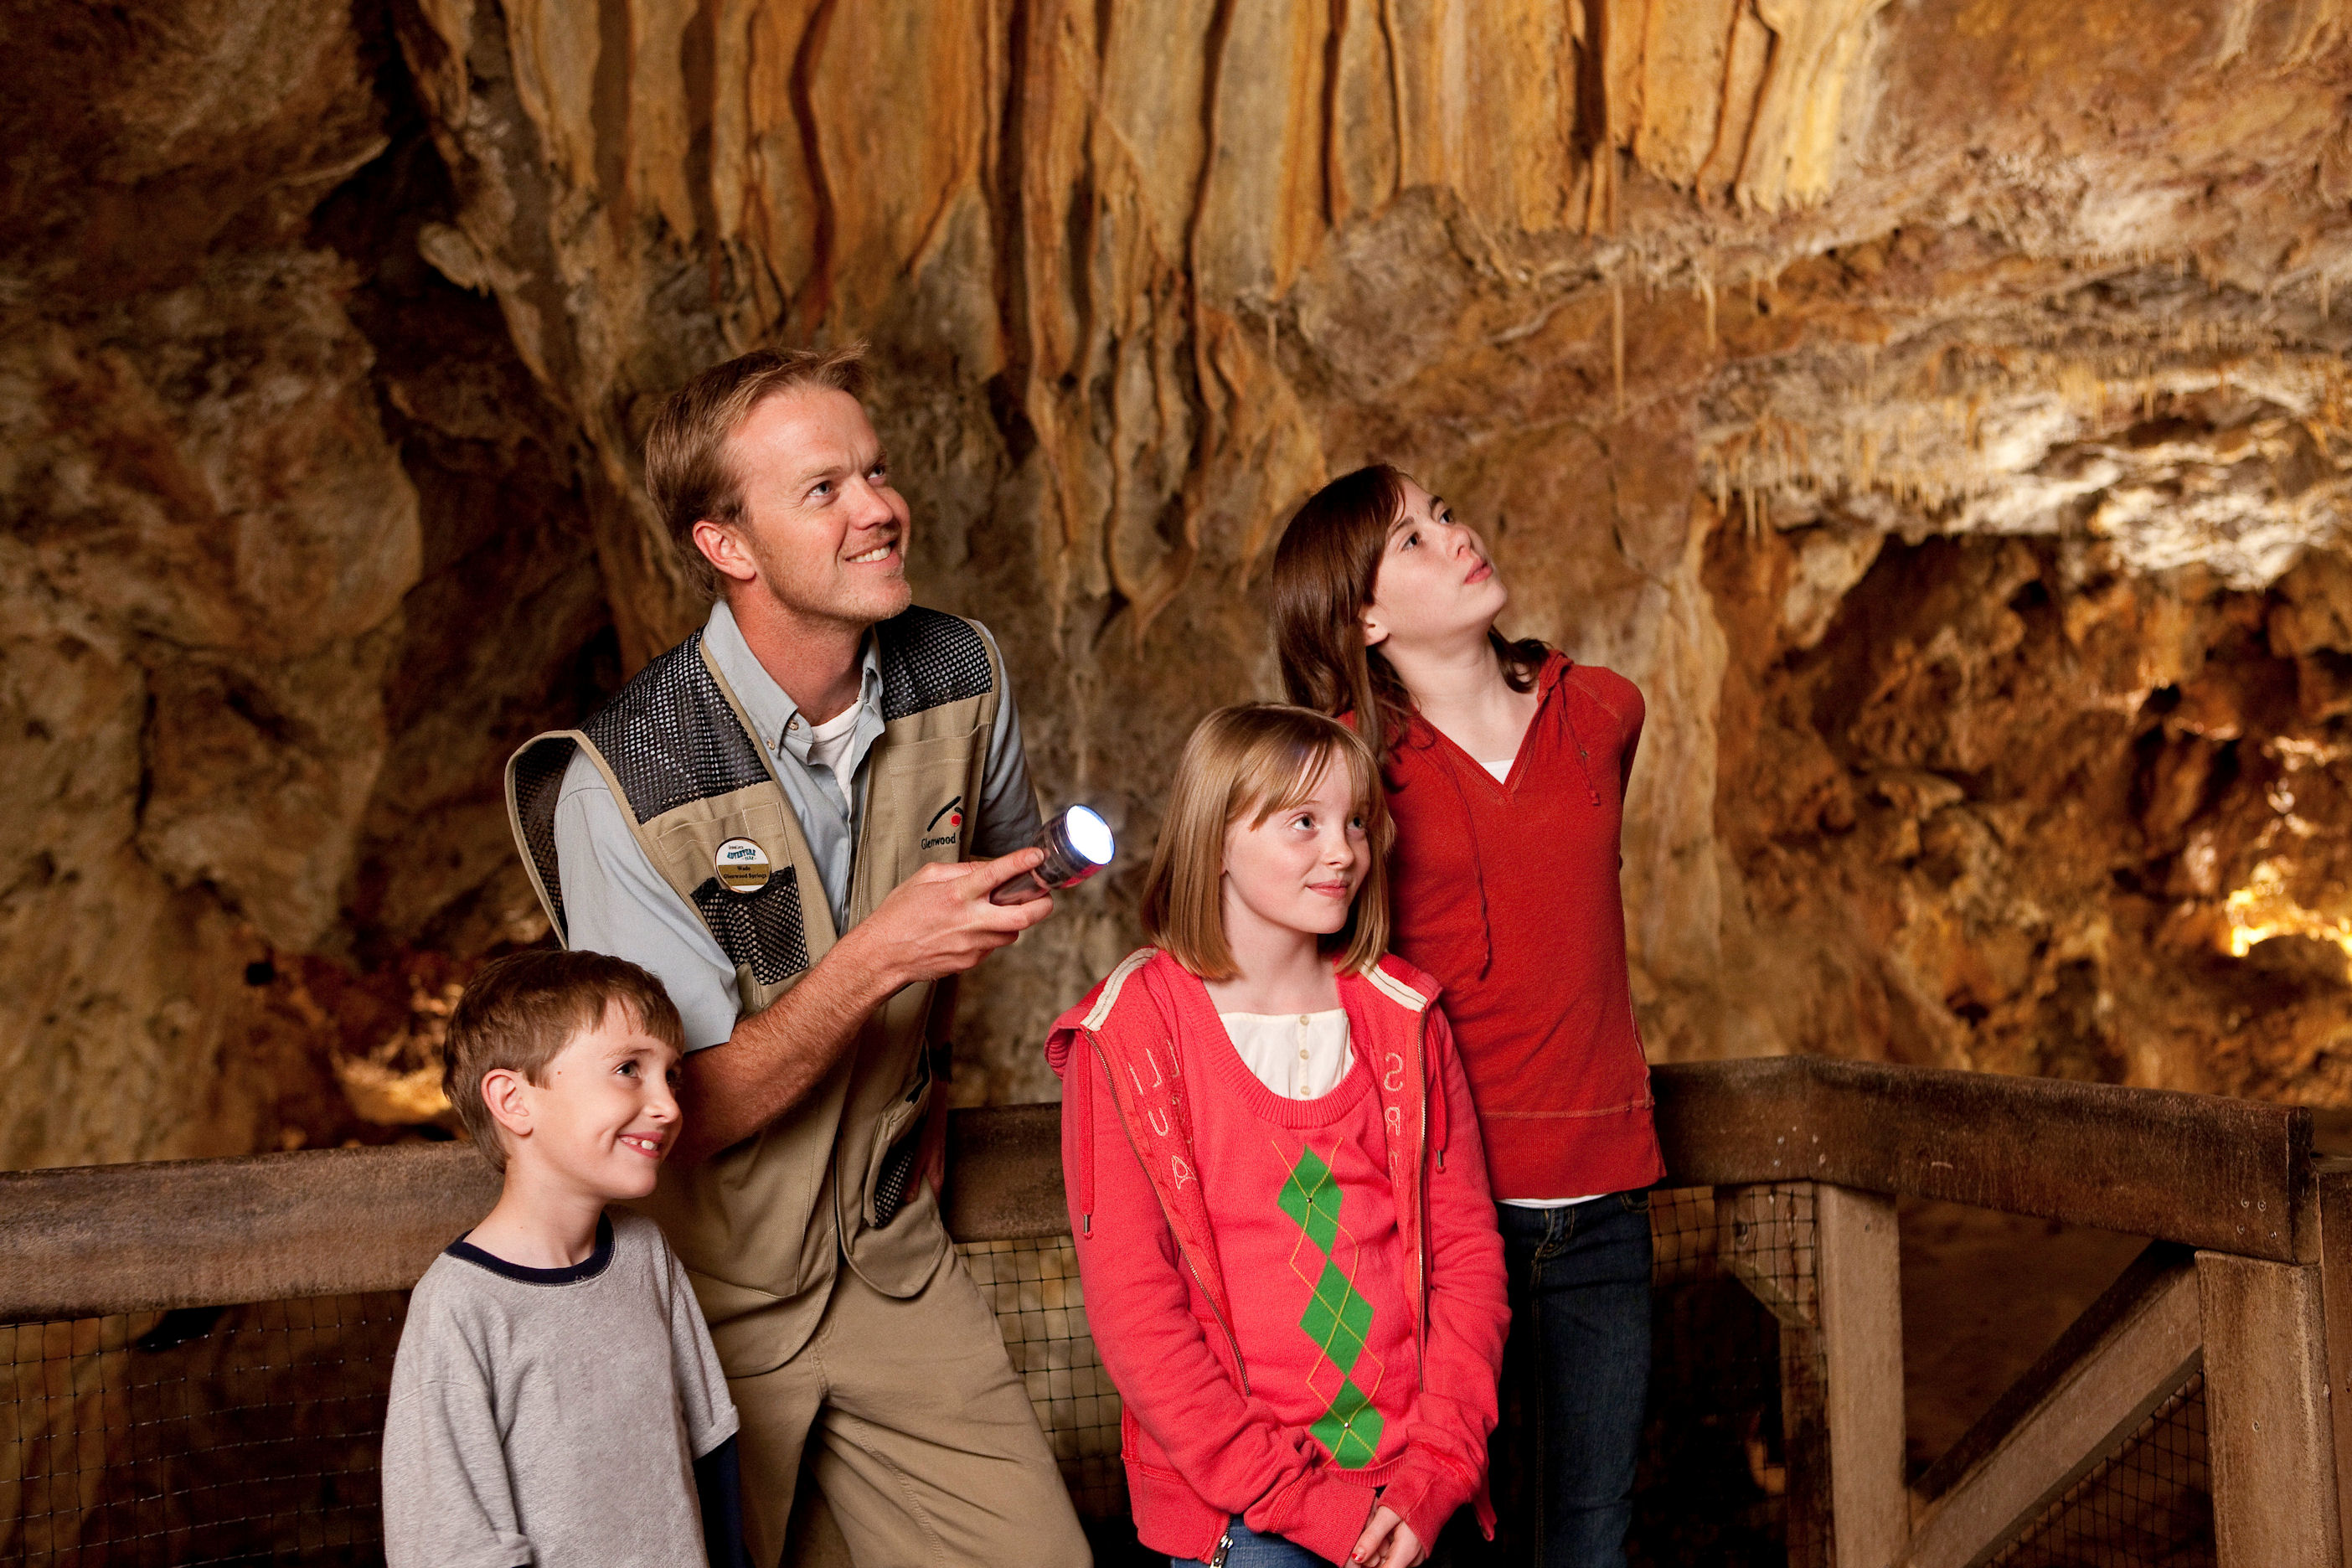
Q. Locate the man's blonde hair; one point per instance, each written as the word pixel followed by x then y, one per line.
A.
pixel 689 475
pixel 518 1012
pixel 1256 760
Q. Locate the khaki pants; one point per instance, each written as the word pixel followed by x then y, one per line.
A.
pixel 925 1448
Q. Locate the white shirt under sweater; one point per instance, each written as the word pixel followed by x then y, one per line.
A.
pixel 1502 771
pixel 1298 1056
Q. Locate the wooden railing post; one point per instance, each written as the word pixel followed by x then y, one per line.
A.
pixel 1861 1289
pixel 2268 1427
pixel 2331 1182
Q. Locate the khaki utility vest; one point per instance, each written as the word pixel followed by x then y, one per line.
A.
pixel 760 1226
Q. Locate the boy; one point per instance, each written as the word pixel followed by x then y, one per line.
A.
pixel 556 1400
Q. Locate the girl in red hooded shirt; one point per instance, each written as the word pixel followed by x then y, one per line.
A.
pixel 1275 1179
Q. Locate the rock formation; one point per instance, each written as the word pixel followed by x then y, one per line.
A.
pixel 1938 405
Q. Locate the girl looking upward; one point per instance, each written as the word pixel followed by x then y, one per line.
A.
pixel 1505 765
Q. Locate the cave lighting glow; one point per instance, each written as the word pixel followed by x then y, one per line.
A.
pixel 2264 909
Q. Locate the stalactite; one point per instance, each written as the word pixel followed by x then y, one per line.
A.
pixel 1617 340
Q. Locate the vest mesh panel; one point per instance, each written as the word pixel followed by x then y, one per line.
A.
pixel 929 659
pixel 762 930
pixel 671 738
pixel 538 784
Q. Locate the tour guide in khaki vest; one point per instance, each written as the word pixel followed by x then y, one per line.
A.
pixel 772 817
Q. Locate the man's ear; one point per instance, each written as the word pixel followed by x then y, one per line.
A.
pixel 503 1098
pixel 722 545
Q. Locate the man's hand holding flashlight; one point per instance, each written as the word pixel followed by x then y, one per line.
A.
pixel 939 920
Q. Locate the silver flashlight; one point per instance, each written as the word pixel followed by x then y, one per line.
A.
pixel 1077 843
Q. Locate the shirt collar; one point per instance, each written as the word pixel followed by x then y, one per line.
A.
pixel 765 703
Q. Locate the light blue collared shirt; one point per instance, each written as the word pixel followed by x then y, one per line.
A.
pixel 615 902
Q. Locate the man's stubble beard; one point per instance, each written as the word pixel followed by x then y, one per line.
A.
pixel 773 584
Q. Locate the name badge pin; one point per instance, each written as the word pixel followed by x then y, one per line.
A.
pixel 743 866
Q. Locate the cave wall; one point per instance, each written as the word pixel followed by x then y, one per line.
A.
pixel 1936 406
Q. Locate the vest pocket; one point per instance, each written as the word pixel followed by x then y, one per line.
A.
pixel 895 1141
pixel 921 799
pixel 763 932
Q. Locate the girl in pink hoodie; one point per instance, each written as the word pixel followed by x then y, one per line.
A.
pixel 1289 1254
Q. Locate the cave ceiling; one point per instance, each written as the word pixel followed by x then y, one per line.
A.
pixel 1939 406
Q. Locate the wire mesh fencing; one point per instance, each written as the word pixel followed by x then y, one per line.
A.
pixel 250 1434
pixel 1734 1456
pixel 219 1435
pixel 2148 1500
pixel 1041 1308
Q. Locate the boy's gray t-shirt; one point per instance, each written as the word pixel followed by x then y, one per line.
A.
pixel 552 1416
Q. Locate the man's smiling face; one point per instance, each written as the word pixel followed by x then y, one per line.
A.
pixel 823 525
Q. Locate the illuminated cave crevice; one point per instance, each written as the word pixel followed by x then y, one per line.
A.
pixel 2023 811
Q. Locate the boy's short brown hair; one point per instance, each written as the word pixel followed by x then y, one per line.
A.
pixel 1257 759
pixel 689 475
pixel 518 1012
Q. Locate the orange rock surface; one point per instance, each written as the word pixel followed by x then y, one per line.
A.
pixel 1936 406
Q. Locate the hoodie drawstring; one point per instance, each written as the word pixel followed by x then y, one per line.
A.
pixel 1433 1094
pixel 1086 1114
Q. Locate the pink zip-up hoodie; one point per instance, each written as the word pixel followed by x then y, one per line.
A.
pixel 1198 1449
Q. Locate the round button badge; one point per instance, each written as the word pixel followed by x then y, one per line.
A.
pixel 743 866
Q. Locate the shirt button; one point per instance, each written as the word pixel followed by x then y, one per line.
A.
pixel 792 723
pixel 1302 1055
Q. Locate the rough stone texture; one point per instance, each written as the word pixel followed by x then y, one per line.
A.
pixel 1936 406
pixel 237 559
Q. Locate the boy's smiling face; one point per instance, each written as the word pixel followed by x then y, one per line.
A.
pixel 604 1115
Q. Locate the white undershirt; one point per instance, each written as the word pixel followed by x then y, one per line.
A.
pixel 1299 1055
pixel 1502 771
pixel 829 743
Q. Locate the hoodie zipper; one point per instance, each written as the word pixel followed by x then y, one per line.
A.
pixel 1231 1339
pixel 1421 1251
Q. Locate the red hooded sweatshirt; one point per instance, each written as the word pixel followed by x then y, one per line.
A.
pixel 1195 1273
pixel 1508 894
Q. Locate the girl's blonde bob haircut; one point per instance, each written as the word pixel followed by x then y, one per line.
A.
pixel 1256 760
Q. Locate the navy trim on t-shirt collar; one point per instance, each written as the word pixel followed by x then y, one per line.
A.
pixel 587 1268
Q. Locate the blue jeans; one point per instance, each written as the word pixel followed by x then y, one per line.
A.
pixel 1251 1550
pixel 1576 1371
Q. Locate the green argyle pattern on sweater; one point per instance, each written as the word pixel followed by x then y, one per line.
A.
pixel 1338 1319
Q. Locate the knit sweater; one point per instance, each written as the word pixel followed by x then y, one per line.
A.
pixel 1299 1301
pixel 1508 893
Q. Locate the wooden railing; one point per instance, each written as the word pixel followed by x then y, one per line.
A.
pixel 2247 1277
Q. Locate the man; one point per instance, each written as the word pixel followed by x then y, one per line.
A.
pixel 772 817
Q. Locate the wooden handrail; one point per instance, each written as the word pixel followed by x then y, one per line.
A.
pixel 2227 1175
pixel 2231 1175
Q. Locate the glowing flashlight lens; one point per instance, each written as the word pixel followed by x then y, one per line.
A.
pixel 1089 835
pixel 1077 843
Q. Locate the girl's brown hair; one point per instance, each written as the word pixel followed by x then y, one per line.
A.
pixel 1325 570
pixel 1259 758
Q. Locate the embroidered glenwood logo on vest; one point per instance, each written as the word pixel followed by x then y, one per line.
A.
pixel 741 866
pixel 953 813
